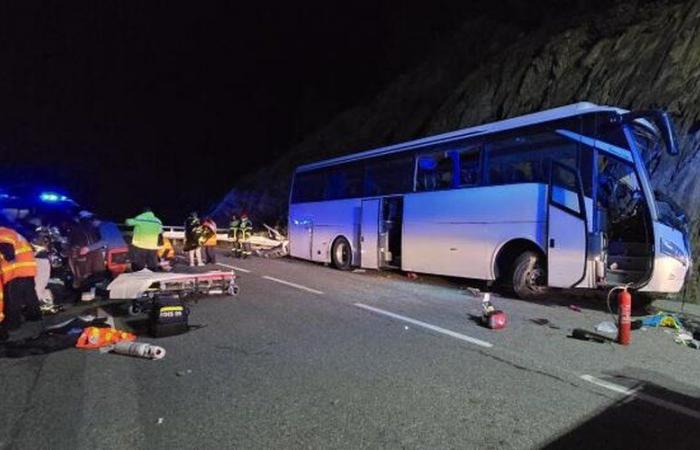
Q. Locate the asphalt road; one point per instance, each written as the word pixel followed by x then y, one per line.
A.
pixel 311 357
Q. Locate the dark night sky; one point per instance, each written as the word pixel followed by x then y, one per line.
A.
pixel 127 104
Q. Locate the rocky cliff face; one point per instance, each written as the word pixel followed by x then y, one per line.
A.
pixel 636 55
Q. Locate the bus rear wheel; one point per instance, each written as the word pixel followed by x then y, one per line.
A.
pixel 529 276
pixel 341 254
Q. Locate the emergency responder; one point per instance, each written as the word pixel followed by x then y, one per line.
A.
pixel 209 240
pixel 233 231
pixel 144 243
pixel 246 231
pixel 4 335
pixel 18 268
pixel 193 229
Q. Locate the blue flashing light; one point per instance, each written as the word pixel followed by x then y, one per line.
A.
pixel 52 197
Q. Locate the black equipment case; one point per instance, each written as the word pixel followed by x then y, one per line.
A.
pixel 168 317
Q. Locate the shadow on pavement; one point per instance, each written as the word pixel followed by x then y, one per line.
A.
pixel 663 413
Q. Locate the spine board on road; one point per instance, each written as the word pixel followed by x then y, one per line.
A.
pixel 144 286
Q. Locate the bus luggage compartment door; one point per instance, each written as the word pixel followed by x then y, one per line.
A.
pixel 301 238
pixel 369 234
pixel 566 228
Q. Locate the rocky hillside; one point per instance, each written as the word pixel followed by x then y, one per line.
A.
pixel 635 55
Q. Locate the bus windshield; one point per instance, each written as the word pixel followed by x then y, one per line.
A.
pixel 669 212
pixel 649 143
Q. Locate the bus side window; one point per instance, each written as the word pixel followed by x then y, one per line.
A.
pixel 435 171
pixel 469 167
pixel 525 159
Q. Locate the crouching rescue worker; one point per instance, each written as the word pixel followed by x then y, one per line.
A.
pixel 18 269
pixel 144 244
pixel 209 240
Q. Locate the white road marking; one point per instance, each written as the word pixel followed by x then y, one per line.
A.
pixel 428 326
pixel 294 285
pixel 647 398
pixel 229 266
pixel 607 385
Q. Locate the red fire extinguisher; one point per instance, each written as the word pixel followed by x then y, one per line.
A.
pixel 624 320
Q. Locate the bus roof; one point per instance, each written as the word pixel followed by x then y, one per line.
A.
pixel 501 125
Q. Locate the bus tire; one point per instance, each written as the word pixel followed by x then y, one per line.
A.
pixel 341 254
pixel 529 276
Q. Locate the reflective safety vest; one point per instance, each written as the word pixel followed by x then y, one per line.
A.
pixel 166 251
pixel 95 337
pixel 210 240
pixel 24 264
pixel 246 228
pixel 2 302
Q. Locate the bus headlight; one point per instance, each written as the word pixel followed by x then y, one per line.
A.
pixel 675 252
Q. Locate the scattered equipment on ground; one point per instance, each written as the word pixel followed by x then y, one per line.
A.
pixel 144 286
pixel 585 335
pixel 168 316
pixel 492 318
pixel 624 310
pixel 139 349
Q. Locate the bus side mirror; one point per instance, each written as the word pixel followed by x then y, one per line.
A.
pixel 663 122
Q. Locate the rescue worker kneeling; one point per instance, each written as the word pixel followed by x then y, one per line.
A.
pixel 18 269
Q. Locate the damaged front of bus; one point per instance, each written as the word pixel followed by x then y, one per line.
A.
pixel 651 134
pixel 640 234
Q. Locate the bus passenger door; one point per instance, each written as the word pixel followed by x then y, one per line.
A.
pixel 566 227
pixel 369 234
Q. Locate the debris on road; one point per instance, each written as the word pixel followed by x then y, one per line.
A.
pixel 492 318
pixel 575 308
pixel 606 327
pixel 543 322
pixel 662 319
pixel 139 349
pixel 411 275
pixel 160 421
pixel 585 335
pixel 97 337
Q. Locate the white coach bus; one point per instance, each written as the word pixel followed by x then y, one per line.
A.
pixel 558 198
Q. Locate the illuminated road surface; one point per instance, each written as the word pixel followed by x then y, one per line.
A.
pixel 311 357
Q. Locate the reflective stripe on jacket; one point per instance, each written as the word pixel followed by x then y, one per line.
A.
pixel 24 264
pixel 2 302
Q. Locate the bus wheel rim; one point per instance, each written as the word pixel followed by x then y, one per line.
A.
pixel 534 279
pixel 341 253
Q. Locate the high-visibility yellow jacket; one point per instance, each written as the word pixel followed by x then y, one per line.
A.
pixel 23 265
pixel 166 251
pixel 2 300
pixel 210 233
pixel 147 227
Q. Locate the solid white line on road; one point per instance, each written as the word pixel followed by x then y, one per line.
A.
pixel 647 398
pixel 229 266
pixel 607 385
pixel 294 285
pixel 428 326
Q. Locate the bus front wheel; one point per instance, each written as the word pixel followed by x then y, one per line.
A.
pixel 341 254
pixel 529 278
